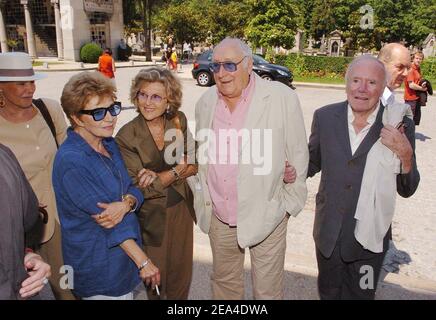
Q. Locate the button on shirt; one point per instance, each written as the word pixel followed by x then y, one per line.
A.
pixel 357 138
pixel 223 155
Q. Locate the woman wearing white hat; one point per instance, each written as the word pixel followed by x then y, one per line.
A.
pixel 33 130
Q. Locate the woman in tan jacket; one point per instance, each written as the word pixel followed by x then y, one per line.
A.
pixel 155 146
pixel 25 129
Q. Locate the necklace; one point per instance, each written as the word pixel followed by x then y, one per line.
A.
pixel 112 172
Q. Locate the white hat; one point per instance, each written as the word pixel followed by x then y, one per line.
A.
pixel 17 66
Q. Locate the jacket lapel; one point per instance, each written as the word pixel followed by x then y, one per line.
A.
pixel 372 136
pixel 342 129
pixel 208 110
pixel 148 149
pixel 256 108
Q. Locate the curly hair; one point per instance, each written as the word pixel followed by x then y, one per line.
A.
pixel 172 86
pixel 81 88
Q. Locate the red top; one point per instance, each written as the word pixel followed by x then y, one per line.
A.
pixel 105 65
pixel 413 76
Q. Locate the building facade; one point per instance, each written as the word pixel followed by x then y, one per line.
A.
pixel 59 28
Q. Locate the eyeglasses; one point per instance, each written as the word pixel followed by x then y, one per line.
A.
pixel 154 98
pixel 228 66
pixel 100 113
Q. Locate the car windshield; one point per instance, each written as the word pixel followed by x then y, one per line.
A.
pixel 259 60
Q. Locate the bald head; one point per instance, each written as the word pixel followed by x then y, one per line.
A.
pixel 367 60
pixel 396 59
pixel 234 44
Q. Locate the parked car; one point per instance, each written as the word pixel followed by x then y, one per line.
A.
pixel 263 68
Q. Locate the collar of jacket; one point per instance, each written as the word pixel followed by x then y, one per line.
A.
pixel 81 143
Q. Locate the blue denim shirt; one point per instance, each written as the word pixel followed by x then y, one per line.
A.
pixel 82 178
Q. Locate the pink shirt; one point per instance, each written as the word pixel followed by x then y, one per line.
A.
pixel 223 155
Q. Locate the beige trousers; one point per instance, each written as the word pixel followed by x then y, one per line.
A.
pixel 51 252
pixel 267 263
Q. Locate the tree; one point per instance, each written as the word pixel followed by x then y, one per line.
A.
pixel 273 23
pixel 329 15
pixel 137 11
pixel 226 20
pixel 183 22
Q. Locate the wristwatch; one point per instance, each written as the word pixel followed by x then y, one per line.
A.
pixel 131 200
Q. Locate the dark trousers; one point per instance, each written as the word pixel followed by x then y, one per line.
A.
pixel 416 109
pixel 341 280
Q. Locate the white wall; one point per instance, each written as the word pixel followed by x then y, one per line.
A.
pixel 76 27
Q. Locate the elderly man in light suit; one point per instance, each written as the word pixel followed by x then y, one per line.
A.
pixel 240 198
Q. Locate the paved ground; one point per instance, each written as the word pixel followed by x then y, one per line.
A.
pixel 414 223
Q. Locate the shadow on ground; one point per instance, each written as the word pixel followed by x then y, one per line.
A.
pixel 298 286
pixel 421 137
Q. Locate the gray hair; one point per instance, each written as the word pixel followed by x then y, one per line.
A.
pixel 369 58
pixel 246 50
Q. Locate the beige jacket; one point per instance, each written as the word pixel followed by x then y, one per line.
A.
pixel 263 199
pixel 33 145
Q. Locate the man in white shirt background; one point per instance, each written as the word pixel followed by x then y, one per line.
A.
pixel 397 62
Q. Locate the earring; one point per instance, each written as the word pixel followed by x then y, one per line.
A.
pixel 2 100
pixel 168 110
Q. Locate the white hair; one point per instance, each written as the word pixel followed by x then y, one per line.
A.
pixel 364 58
pixel 246 50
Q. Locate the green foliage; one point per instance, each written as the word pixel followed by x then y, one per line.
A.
pixel 394 20
pixel 302 65
pixel 184 22
pixel 428 69
pixel 226 20
pixel 274 23
pixel 90 53
pixel 271 23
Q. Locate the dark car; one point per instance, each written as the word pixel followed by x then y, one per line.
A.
pixel 263 68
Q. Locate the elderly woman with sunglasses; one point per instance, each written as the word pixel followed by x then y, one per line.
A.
pixel 96 198
pixel 155 148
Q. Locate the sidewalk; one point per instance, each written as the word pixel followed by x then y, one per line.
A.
pixel 54 65
pixel 183 72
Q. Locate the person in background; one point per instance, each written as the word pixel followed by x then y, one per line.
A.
pixel 396 59
pixel 412 85
pixel 96 198
pixel 106 64
pixel 23 273
pixel 33 129
pixel 169 62
pixel 174 60
pixel 167 215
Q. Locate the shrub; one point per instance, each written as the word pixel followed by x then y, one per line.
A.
pixel 90 52
pixel 428 68
pixel 302 65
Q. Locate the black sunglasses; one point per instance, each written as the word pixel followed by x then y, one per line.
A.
pixel 228 66
pixel 99 113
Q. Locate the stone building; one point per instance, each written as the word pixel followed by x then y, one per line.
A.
pixel 59 28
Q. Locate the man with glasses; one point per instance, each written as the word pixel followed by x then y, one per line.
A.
pixel 238 205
